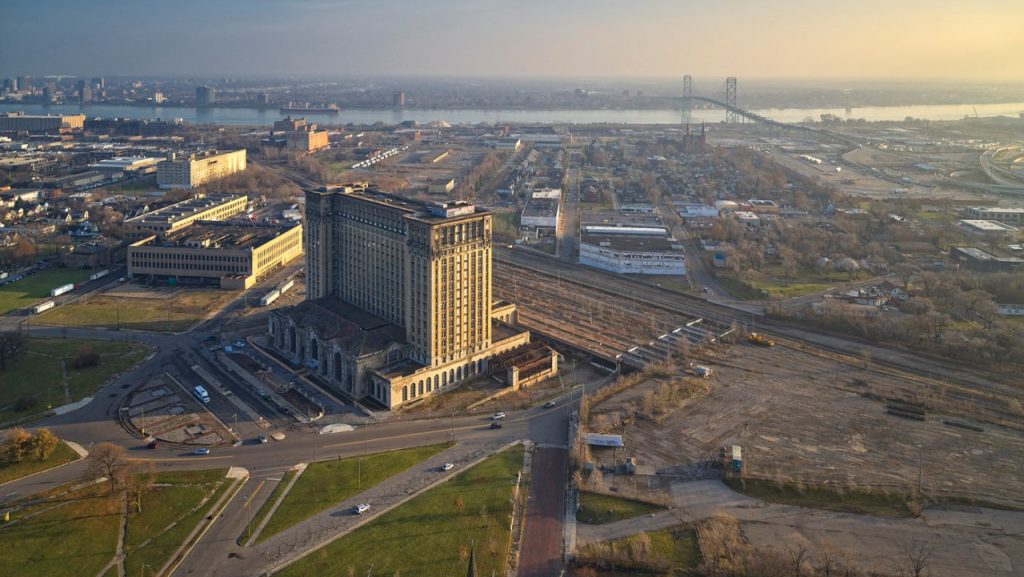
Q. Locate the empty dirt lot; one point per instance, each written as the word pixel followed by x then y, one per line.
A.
pixel 803 417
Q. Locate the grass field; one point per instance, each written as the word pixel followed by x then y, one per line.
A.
pixel 675 548
pixel 169 514
pixel 10 471
pixel 177 313
pixel 598 509
pixel 426 536
pixel 36 287
pixel 37 372
pixel 326 483
pixel 73 536
pixel 861 501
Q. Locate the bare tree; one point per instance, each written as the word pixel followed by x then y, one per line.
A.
pixel 107 460
pixel 138 480
pixel 917 555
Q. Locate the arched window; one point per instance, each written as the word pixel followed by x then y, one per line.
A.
pixel 405 393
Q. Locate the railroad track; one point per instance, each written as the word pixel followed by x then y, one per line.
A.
pixel 987 391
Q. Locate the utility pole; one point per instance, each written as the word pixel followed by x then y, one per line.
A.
pixel 453 426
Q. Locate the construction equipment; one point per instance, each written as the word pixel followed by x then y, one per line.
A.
pixel 761 340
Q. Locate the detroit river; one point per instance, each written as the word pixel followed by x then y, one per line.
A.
pixel 264 117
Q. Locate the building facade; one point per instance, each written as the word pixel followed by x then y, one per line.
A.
pixel 21 122
pixel 196 169
pixel 231 256
pixel 424 269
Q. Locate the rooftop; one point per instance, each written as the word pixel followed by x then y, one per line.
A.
pixel 988 225
pixel 346 325
pixel 183 209
pixel 217 235
pixel 629 243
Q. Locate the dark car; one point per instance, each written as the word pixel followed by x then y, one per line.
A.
pixel 496 425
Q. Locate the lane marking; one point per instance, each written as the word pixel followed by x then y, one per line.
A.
pixel 253 495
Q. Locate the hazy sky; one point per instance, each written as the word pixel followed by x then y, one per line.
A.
pixel 939 39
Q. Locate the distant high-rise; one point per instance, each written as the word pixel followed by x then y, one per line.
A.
pixel 10 84
pixel 84 91
pixel 398 99
pixel 262 99
pixel 25 83
pixel 206 95
pixel 98 83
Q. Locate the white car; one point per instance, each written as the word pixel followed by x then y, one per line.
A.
pixel 447 467
pixel 499 415
pixel 362 508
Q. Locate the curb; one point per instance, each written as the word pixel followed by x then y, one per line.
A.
pixel 197 534
pixel 82 454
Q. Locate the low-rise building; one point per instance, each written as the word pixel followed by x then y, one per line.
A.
pixel 1007 215
pixel 990 228
pixel 179 215
pixel 628 254
pixel 231 256
pixel 540 216
pixel 46 123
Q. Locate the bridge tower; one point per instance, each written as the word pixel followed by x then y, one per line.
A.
pixel 730 98
pixel 687 94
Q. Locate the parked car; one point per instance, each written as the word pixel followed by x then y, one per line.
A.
pixel 447 467
pixel 362 508
pixel 498 415
pixel 201 451
pixel 152 444
pixel 262 439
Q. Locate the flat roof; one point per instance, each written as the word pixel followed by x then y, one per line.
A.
pixel 630 243
pixel 645 231
pixel 222 236
pixel 179 210
pixel 541 207
pixel 997 209
pixel 988 225
pixel 615 218
pixel 430 212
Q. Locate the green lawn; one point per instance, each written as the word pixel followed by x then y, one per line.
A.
pixel 265 508
pixel 75 539
pixel 177 313
pixel 11 471
pixel 326 483
pixel 169 514
pixel 860 501
pixel 598 509
pixel 37 372
pixel 34 288
pixel 426 537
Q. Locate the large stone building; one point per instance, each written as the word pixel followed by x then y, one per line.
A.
pixel 399 297
pixel 179 171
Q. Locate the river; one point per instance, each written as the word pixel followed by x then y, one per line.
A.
pixel 256 117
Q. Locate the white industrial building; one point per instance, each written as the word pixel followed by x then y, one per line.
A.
pixel 540 216
pixel 632 255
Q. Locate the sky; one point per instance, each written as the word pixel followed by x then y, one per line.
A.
pixel 977 40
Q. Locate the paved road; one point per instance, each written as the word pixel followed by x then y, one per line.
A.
pixel 541 554
pixel 568 219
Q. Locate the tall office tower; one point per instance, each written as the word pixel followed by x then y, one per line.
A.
pixel 398 297
pixel 423 267
pixel 206 95
pixel 84 91
pixel 98 83
pixel 10 84
pixel 24 83
pixel 398 99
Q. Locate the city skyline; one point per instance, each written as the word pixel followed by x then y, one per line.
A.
pixel 796 39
